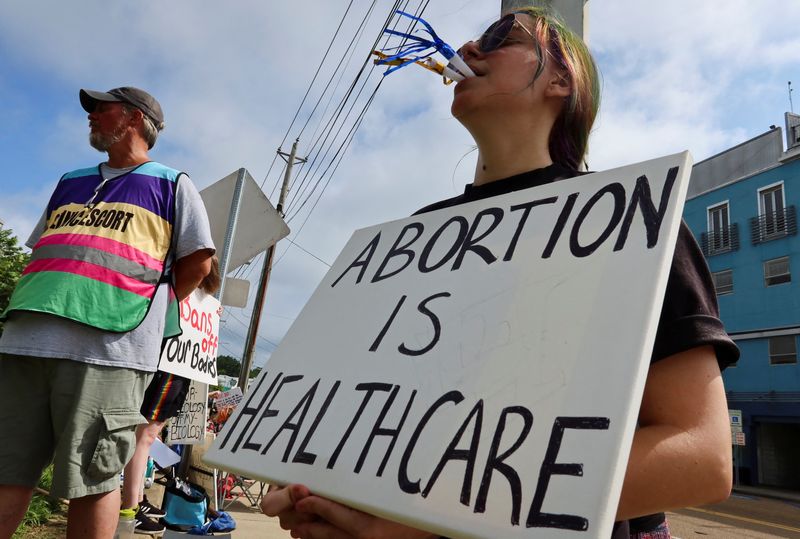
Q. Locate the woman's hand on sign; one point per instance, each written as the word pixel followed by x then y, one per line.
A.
pixel 280 502
pixel 312 517
pixel 336 521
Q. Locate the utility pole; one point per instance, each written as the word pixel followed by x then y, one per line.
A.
pixel 266 270
pixel 574 12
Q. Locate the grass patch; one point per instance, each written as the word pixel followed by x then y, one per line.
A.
pixel 39 511
pixel 41 508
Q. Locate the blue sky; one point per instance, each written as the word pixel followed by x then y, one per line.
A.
pixel 677 75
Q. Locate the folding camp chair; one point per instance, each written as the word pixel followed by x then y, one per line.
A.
pixel 231 487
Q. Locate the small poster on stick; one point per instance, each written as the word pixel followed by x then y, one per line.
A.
pixel 189 426
pixel 232 397
pixel 193 353
pixel 475 371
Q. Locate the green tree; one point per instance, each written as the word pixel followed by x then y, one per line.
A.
pixel 229 366
pixel 12 261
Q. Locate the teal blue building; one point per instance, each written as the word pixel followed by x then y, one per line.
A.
pixel 742 208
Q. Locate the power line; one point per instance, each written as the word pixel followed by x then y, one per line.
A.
pixel 307 252
pixel 335 116
pixel 358 121
pixel 314 78
pixel 332 174
pixel 321 144
pixel 349 137
pixel 308 90
pixel 244 325
pixel 302 101
pixel 339 109
pixel 349 46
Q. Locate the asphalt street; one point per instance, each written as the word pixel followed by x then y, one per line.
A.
pixel 741 516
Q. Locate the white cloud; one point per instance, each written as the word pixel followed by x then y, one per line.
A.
pixel 682 74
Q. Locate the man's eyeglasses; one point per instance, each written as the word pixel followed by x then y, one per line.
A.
pixel 497 34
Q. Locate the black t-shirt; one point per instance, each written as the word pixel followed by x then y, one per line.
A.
pixel 689 314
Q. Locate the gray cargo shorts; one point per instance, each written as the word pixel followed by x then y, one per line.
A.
pixel 81 417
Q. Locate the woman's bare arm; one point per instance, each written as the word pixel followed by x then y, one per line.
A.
pixel 681 454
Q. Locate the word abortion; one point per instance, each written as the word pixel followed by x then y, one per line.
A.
pixel 245 434
pixel 468 238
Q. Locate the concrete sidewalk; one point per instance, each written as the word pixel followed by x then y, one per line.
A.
pixel 251 522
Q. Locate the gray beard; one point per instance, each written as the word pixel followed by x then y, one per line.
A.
pixel 102 143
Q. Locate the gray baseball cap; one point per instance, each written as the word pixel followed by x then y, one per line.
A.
pixel 125 94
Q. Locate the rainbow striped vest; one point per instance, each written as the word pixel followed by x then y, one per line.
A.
pixel 100 263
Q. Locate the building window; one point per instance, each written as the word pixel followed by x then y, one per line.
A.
pixel 771 210
pixel 719 231
pixel 775 219
pixel 782 350
pixel 723 282
pixel 776 271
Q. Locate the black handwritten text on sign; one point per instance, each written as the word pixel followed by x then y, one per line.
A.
pixel 468 240
pixel 476 370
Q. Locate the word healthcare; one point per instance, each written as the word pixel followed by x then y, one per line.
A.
pixel 476 371
pixel 296 420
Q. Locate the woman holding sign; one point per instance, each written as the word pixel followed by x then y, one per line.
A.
pixel 530 108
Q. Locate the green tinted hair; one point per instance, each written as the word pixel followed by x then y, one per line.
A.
pixel 555 41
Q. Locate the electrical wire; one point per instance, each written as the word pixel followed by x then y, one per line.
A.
pixel 245 326
pixel 348 139
pixel 316 73
pixel 332 120
pixel 322 139
pixel 363 66
pixel 340 108
pixel 333 173
pixel 308 90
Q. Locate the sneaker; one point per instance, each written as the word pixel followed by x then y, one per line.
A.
pixel 150 510
pixel 147 526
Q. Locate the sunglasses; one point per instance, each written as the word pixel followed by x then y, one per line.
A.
pixel 497 34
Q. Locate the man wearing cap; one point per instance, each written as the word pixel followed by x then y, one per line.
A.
pixel 81 339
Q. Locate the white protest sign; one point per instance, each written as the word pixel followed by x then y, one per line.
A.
pixel 232 397
pixel 189 426
pixel 475 371
pixel 193 354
